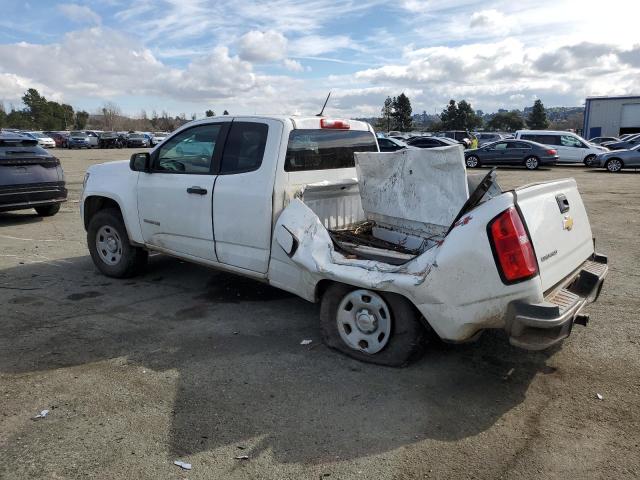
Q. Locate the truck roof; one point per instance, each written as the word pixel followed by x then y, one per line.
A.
pixel 297 122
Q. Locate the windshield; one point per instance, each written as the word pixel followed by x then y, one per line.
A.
pixel 78 134
pixel 136 135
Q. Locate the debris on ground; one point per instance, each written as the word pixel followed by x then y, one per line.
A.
pixel 599 396
pixel 241 447
pixel 183 465
pixel 242 457
pixel 42 414
pixel 306 342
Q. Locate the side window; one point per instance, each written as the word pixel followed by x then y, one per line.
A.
pixel 522 145
pixel 190 151
pixel 244 148
pixel 500 146
pixel 570 141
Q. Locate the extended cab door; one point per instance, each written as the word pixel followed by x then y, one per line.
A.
pixel 243 194
pixel 175 199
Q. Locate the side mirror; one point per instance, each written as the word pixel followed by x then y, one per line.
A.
pixel 140 162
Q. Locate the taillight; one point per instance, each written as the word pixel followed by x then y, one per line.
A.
pixel 552 152
pixel 334 124
pixel 512 247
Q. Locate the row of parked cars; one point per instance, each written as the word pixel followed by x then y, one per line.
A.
pixel 529 148
pixel 93 139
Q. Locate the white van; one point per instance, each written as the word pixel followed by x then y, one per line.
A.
pixel 571 147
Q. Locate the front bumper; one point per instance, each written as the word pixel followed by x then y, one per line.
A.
pixel 21 197
pixel 540 326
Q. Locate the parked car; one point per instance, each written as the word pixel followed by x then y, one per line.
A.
pixel 59 137
pixel 135 140
pixel 30 177
pixel 601 140
pixel 157 137
pixel 488 137
pixel 78 139
pixel 93 137
pixel 386 246
pixel 462 136
pixel 626 144
pixel 571 147
pixel 618 159
pixel 391 144
pixel 511 152
pixel 44 141
pixel 111 140
pixel 431 142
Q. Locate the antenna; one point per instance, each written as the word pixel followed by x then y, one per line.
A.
pixel 325 104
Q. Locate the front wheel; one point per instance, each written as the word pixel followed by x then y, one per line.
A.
pixel 472 161
pixel 531 163
pixel 589 160
pixel 371 326
pixel 109 246
pixel 614 165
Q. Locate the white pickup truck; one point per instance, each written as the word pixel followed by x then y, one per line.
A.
pixel 396 246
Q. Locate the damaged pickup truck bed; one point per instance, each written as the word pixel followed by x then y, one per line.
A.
pixel 395 246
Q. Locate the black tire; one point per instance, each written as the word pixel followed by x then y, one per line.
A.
pixel 47 210
pixel 588 159
pixel 132 260
pixel 472 161
pixel 531 163
pixel 614 165
pixel 405 343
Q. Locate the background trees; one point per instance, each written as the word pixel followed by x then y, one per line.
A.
pixel 506 121
pixel 537 119
pixel 460 116
pixel 396 114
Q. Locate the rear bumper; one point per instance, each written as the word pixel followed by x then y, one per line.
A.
pixel 540 326
pixel 20 197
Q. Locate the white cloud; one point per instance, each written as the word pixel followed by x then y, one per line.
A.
pixel 79 13
pixel 293 65
pixel 491 21
pixel 257 46
pixel 314 45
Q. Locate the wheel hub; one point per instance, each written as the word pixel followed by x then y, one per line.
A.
pixel 112 244
pixel 366 322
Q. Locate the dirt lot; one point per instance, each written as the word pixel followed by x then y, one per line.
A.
pixel 190 364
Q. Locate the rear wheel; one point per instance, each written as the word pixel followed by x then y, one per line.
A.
pixel 109 246
pixel 614 165
pixel 472 161
pixel 531 163
pixel 374 327
pixel 48 210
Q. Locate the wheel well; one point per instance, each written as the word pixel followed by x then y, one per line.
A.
pixel 93 205
pixel 322 287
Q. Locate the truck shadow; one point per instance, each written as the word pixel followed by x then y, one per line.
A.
pixel 8 219
pixel 244 378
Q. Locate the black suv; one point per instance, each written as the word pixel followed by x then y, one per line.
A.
pixel 30 177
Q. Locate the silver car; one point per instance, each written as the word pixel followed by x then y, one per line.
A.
pixel 618 159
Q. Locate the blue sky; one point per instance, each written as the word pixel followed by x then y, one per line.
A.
pixel 283 56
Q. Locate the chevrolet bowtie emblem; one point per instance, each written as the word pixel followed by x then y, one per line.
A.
pixel 567 223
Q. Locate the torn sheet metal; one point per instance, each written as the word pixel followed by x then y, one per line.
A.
pixel 307 242
pixel 413 190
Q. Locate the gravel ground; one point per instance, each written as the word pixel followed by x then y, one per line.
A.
pixel 185 363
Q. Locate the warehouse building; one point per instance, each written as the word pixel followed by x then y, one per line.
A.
pixel 611 116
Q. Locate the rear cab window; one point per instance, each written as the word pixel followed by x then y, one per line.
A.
pixel 326 149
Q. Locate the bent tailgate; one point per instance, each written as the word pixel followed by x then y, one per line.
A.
pixel 559 227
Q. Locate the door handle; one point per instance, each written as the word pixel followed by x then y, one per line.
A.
pixel 197 190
